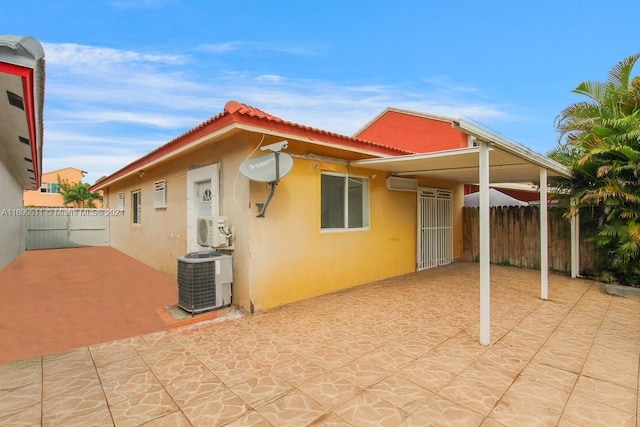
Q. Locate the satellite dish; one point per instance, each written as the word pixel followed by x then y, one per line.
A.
pixel 263 168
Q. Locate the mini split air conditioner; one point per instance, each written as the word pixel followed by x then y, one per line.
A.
pixel 397 183
pixel 204 281
pixel 214 232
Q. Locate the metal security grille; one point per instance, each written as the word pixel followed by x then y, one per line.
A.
pixel 435 227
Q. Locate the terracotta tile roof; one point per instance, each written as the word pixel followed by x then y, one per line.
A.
pixel 242 113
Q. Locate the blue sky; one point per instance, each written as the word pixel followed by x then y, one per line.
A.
pixel 125 76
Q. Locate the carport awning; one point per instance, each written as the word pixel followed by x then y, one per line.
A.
pixel 463 165
pixel 494 160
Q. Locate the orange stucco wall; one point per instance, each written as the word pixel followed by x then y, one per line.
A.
pixel 37 198
pixel 414 133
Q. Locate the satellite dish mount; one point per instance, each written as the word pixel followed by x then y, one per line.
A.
pixel 261 168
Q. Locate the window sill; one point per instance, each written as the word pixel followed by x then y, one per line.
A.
pixel 342 230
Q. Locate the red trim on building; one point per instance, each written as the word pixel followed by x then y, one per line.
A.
pixel 236 112
pixel 26 74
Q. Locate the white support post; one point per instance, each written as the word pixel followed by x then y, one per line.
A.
pixel 485 246
pixel 544 236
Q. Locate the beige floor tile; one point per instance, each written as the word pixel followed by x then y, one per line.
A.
pixel 427 374
pixel 177 369
pixel 125 388
pixel 251 419
pixel 17 398
pixel 513 412
pixel 330 420
pixel 21 416
pixel 76 404
pixel 293 409
pixel 174 419
pixel 367 408
pixel 489 422
pixel 262 388
pixel 122 368
pixel 331 389
pixel 561 359
pixel 237 371
pixel 299 370
pixel 328 357
pixel 142 408
pixel 386 359
pixel 438 411
pixel 471 393
pixel 105 353
pixel 57 364
pixel 539 393
pixel 488 374
pixel 585 411
pixel 96 417
pixel 401 392
pixel 361 373
pixel 551 375
pixel 621 372
pixel 608 393
pixel 80 379
pixel 195 387
pixel 570 361
pixel 214 409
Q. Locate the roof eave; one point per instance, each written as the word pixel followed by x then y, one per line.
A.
pixel 513 148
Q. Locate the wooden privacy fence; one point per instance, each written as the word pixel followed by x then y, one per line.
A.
pixel 515 239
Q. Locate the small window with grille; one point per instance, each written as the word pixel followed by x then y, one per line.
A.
pixel 160 194
pixel 120 203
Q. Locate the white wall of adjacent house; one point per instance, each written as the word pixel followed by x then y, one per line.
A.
pixel 12 224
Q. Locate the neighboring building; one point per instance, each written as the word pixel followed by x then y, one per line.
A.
pixel 427 133
pixel 22 74
pixel 416 132
pixel 350 211
pixel 48 195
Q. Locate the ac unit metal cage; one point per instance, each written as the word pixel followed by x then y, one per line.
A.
pixel 204 281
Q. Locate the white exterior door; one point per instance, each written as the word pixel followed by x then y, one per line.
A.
pixel 435 227
pixel 203 199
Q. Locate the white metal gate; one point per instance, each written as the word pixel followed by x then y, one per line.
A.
pixel 53 228
pixel 435 227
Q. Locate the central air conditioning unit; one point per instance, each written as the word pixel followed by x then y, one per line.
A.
pixel 214 232
pixel 204 281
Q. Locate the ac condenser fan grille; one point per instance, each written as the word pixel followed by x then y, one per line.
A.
pixel 196 286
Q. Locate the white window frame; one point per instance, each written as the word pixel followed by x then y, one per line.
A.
pixel 160 194
pixel 136 207
pixel 120 200
pixel 366 209
pixel 48 188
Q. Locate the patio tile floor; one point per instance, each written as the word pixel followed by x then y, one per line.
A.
pixel 399 352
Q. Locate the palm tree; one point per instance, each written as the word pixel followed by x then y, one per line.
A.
pixel 78 194
pixel 600 142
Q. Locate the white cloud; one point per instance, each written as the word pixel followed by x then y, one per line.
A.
pixel 117 105
pixel 151 119
pixel 73 55
pixel 220 47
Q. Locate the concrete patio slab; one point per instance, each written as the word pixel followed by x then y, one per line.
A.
pixel 58 299
pixel 399 352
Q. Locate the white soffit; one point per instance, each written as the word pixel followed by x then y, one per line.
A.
pixel 462 166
